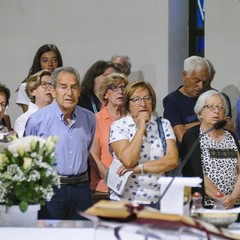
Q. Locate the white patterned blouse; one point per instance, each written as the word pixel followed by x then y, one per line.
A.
pixel 141 188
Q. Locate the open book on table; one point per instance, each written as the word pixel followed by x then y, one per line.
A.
pixel 124 212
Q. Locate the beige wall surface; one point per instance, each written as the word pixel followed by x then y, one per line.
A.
pixel 222 34
pixel 152 32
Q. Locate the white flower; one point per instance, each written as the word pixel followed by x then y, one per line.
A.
pixel 2 159
pixel 24 143
pixel 50 143
pixel 3 192
pixel 27 171
pixel 34 176
pixel 27 163
pixel 14 173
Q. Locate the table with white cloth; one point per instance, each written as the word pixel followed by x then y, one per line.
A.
pixel 87 230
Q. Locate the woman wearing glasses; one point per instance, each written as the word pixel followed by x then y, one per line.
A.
pixel 216 159
pixel 6 135
pixel 111 95
pixel 135 142
pixel 4 101
pixel 38 89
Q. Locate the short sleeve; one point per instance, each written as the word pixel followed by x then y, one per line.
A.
pixel 22 97
pixel 118 131
pixel 171 111
pixel 168 130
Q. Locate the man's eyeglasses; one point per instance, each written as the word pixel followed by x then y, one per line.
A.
pixel 117 88
pixel 213 107
pixel 138 100
pixel 45 85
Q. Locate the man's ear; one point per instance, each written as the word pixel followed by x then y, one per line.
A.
pixel 200 116
pixel 53 92
pixel 79 91
pixel 184 75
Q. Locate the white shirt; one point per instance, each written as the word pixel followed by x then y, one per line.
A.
pixel 20 122
pixel 22 97
pixel 141 188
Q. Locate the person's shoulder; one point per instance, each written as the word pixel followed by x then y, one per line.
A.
pixel 19 119
pixel 172 95
pixel 22 97
pixel 84 112
pixel 123 122
pixel 22 116
pixel 193 130
pixel 42 112
pixel 103 114
pixel 165 121
pixel 191 135
pixel 23 86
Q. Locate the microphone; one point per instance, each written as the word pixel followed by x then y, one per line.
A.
pixel 218 125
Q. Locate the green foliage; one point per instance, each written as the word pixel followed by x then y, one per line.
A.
pixel 27 172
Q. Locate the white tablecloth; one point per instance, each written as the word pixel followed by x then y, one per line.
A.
pixel 70 230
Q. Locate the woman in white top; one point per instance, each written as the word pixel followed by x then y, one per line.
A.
pixel 46 57
pixel 38 89
pixel 135 141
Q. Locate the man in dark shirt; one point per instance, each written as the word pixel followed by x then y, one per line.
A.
pixel 179 105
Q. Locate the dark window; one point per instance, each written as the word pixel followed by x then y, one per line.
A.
pixel 196 27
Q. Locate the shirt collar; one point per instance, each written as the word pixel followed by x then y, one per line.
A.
pixel 60 113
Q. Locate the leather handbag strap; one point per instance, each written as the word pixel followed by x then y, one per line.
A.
pixel 161 134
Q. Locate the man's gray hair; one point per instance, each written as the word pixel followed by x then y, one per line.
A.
pixel 64 69
pixel 196 63
pixel 128 61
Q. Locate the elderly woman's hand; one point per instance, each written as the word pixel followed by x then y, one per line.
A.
pixel 122 170
pixel 229 201
pixel 142 118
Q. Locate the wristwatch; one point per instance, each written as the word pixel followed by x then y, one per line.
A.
pixel 141 166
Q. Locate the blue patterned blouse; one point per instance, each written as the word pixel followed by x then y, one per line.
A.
pixel 141 188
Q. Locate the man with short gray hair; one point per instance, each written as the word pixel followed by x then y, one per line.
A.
pixel 75 127
pixel 179 105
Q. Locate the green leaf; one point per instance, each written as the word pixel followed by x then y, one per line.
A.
pixel 23 206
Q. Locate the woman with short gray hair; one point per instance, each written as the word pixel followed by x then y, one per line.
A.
pixel 216 159
pixel 201 102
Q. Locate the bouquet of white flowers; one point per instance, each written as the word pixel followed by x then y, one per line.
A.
pixel 27 172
